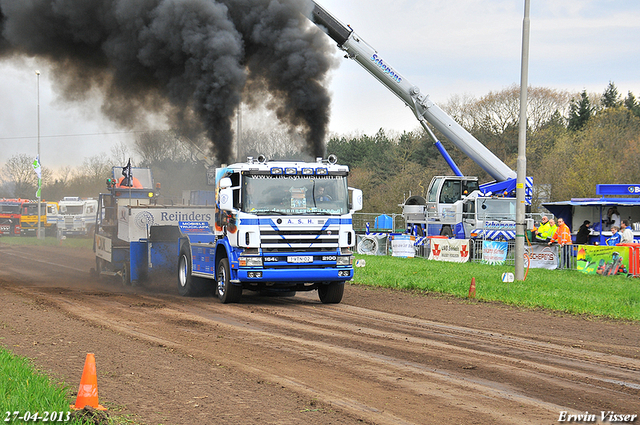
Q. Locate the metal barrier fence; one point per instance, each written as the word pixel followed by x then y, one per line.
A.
pixel 566 254
pixel 360 221
pixel 380 244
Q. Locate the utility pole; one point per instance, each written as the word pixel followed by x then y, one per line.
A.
pixel 38 158
pixel 522 149
pixel 239 132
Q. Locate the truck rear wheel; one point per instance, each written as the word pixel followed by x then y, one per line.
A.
pixel 188 286
pixel 99 268
pixel 227 293
pixel 126 275
pixel 331 293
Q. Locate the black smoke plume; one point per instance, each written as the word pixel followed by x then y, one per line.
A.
pixel 191 60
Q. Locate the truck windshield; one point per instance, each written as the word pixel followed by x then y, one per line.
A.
pixel 295 195
pixel 10 209
pixel 496 209
pixel 32 209
pixel 71 209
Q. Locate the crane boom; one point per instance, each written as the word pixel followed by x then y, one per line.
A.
pixel 424 109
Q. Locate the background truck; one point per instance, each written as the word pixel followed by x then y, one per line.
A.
pixel 10 213
pixel 77 216
pixel 442 217
pixel 472 216
pixel 48 218
pixel 276 227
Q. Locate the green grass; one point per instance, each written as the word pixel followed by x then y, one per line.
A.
pixel 70 242
pixel 569 291
pixel 24 389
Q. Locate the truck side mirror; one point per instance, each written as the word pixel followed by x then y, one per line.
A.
pixel 225 183
pixel 356 199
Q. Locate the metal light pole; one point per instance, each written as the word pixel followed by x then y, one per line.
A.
pixel 39 195
pixel 239 132
pixel 522 148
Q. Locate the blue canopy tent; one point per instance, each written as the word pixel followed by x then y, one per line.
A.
pixel 575 211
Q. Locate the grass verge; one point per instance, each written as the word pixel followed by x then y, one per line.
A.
pixel 569 291
pixel 83 243
pixel 25 392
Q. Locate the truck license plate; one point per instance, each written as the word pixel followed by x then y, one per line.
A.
pixel 300 259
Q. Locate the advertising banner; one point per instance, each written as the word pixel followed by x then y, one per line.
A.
pixel 542 256
pixel 494 253
pixel 134 222
pixel 403 246
pixel 603 260
pixel 452 250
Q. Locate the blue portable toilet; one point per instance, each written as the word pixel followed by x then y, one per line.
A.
pixel 384 222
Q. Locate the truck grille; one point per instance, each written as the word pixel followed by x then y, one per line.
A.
pixel 299 241
pixel 68 222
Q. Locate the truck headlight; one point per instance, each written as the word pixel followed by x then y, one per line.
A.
pixel 344 261
pixel 250 261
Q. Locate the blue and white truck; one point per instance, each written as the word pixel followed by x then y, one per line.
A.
pixel 282 226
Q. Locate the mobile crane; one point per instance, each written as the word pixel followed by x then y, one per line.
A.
pixel 445 211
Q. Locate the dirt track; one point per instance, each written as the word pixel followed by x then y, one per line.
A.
pixel 380 357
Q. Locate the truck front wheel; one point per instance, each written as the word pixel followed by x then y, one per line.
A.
pixel 446 231
pixel 188 286
pixel 227 292
pixel 331 293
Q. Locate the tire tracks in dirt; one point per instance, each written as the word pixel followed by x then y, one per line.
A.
pixel 382 367
pixel 386 368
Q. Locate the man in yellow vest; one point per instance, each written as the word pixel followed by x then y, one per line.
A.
pixel 551 230
pixel 543 229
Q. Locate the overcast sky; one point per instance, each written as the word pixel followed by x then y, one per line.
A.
pixel 446 48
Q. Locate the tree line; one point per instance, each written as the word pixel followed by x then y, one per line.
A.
pixel 176 162
pixel 574 141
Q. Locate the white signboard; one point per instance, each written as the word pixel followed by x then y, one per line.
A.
pixel 541 256
pixel 452 250
pixel 403 246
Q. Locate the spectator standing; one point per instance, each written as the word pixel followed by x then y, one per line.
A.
pixel 562 234
pixel 551 230
pixel 542 230
pixel 582 238
pixel 615 237
pixel 615 217
pixel 626 235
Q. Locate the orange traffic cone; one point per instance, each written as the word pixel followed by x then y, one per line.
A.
pixel 472 288
pixel 88 390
